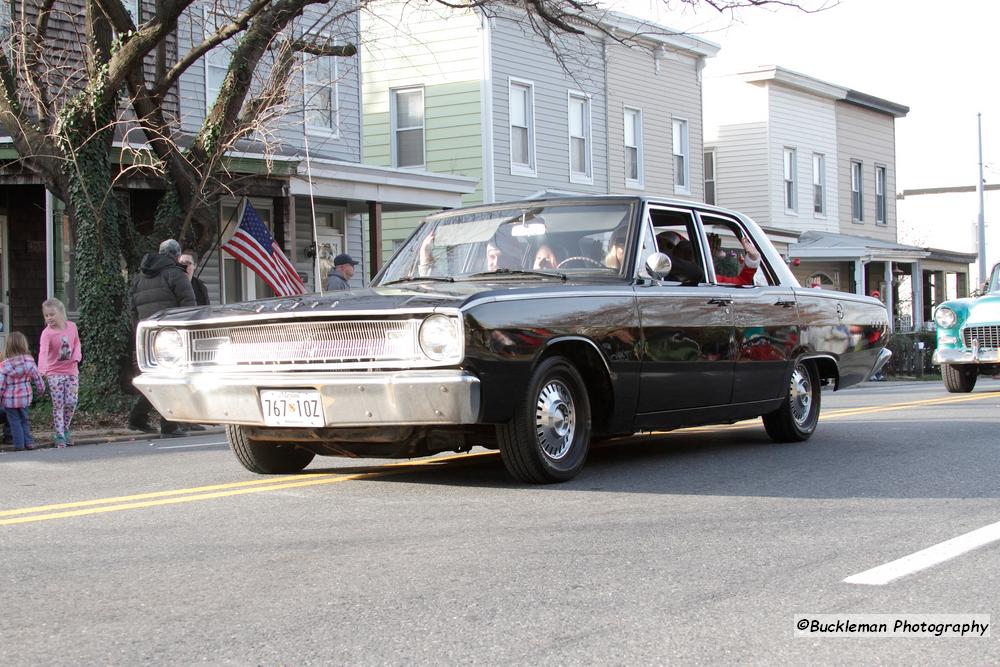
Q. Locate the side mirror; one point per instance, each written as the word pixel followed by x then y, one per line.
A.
pixel 659 265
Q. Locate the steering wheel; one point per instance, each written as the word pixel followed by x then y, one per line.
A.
pixel 580 258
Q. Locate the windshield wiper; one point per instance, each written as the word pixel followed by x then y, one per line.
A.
pixel 518 272
pixel 409 279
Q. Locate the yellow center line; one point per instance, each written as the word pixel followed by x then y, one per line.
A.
pixel 212 491
pixel 273 484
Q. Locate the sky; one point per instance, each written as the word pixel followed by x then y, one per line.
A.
pixel 938 58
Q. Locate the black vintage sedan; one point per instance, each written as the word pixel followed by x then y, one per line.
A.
pixel 530 327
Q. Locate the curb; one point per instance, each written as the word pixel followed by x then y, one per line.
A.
pixel 106 439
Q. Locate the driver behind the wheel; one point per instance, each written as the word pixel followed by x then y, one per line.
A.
pixel 545 258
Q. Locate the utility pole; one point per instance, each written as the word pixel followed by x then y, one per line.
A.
pixel 982 214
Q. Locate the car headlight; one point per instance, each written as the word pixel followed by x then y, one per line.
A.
pixel 945 317
pixel 439 338
pixel 168 347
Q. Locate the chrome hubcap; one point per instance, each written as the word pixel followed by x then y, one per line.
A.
pixel 555 419
pixel 800 395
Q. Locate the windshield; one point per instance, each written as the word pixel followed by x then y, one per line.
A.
pixel 994 284
pixel 549 239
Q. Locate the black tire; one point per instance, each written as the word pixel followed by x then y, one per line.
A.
pixel 267 458
pixel 548 438
pixel 959 378
pixel 796 419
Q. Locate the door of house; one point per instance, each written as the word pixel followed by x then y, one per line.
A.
pixel 239 282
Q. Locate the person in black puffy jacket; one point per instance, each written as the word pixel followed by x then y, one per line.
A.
pixel 161 283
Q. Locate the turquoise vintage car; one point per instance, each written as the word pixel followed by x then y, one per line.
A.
pixel 968 337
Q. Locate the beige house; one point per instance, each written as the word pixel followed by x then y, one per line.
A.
pixel 819 159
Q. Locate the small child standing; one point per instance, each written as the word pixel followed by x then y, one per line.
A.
pixel 59 357
pixel 17 373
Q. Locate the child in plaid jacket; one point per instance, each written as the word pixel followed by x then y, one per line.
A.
pixel 17 375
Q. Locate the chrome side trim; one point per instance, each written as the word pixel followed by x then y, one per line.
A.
pixel 349 399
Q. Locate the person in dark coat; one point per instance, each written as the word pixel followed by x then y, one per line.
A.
pixel 343 271
pixel 161 283
pixel 200 289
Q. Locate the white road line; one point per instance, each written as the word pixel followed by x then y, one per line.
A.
pixel 200 444
pixel 929 557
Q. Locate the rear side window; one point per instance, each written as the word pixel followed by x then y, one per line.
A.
pixel 731 253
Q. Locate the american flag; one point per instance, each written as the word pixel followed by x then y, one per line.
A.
pixel 253 245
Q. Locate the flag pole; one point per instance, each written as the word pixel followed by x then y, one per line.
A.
pixel 312 207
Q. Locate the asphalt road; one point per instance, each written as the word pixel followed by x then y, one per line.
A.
pixel 697 546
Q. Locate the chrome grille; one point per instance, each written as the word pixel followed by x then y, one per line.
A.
pixel 306 343
pixel 988 337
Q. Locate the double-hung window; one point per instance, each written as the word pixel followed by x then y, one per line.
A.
pixel 819 184
pixel 790 186
pixel 319 75
pixel 579 138
pixel 633 148
pixel 681 153
pixel 857 178
pixel 408 127
pixel 522 128
pixel 216 60
pixel 710 177
pixel 880 203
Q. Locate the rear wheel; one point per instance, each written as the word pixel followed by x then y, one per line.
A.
pixel 798 415
pixel 959 378
pixel 548 438
pixel 267 458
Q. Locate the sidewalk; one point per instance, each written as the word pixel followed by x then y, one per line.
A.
pixel 100 436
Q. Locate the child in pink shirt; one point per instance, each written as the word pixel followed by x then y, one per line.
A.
pixel 58 361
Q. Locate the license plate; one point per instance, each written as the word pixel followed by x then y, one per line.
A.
pixel 292 408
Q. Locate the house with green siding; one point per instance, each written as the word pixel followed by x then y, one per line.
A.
pixel 486 97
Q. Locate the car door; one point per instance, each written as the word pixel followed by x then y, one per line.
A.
pixel 765 313
pixel 687 330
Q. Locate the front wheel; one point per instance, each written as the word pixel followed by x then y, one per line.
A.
pixel 548 438
pixel 267 458
pixel 959 379
pixel 798 415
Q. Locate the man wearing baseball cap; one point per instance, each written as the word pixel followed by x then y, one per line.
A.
pixel 343 271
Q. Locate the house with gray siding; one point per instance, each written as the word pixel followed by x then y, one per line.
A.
pixel 301 169
pixel 496 103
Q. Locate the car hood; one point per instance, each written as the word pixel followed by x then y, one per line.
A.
pixel 984 310
pixel 412 296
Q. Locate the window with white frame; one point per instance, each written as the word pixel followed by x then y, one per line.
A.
pixel 6 26
pixel 216 61
pixel 633 147
pixel 579 137
pixel 132 7
pixel 681 166
pixel 710 177
pixel 880 203
pixel 321 94
pixel 407 127
pixel 819 184
pixel 522 127
pixel 857 178
pixel 789 175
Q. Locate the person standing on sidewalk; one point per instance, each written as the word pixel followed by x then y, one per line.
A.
pixel 17 374
pixel 161 283
pixel 59 357
pixel 186 261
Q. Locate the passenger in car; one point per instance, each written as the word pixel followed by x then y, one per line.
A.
pixel 749 262
pixel 616 249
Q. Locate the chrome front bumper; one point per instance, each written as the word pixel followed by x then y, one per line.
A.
pixel 974 356
pixel 349 399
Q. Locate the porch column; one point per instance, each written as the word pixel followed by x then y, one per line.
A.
pixel 962 283
pixel 917 285
pixel 374 238
pixel 859 276
pixel 50 246
pixel 887 278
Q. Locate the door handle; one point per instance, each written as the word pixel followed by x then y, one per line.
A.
pixel 720 301
pixel 785 304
